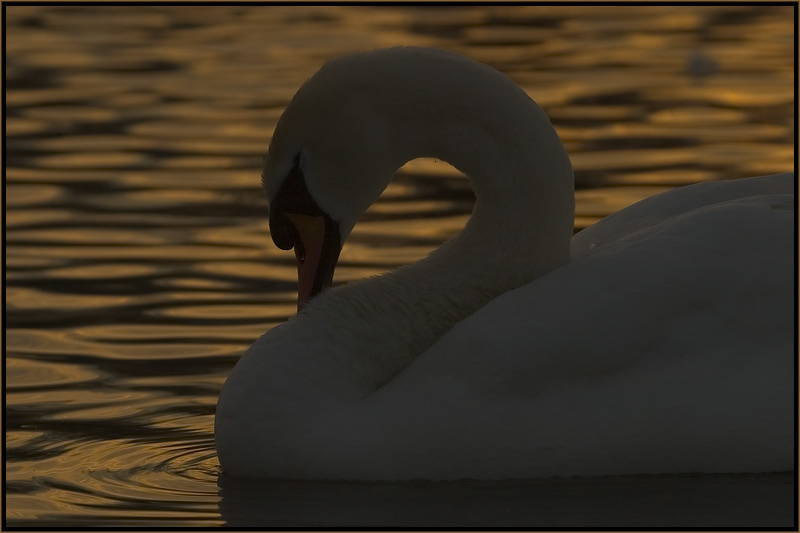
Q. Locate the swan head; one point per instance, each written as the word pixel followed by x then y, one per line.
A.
pixel 331 155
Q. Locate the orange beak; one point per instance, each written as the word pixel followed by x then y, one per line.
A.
pixel 316 248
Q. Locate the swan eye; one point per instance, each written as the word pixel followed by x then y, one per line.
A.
pixel 299 253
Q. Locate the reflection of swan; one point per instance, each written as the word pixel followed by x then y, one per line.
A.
pixel 664 345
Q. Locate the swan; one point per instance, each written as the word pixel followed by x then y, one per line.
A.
pixel 659 340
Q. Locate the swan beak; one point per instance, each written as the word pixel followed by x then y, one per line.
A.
pixel 316 248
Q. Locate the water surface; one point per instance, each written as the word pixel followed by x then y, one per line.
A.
pixel 139 265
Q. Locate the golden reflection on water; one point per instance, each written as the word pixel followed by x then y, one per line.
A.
pixel 139 264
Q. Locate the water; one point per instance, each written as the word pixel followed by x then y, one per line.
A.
pixel 139 266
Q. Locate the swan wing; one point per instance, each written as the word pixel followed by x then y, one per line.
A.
pixel 669 349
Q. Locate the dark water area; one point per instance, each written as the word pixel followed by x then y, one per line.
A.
pixel 681 501
pixel 138 264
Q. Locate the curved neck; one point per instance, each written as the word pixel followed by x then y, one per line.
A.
pixel 520 229
pixel 521 175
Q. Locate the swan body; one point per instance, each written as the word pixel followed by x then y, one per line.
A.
pixel 659 340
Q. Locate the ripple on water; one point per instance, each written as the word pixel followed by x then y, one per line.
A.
pixel 27 373
pixel 192 162
pixel 93 143
pixel 286 270
pixel 103 271
pixel 21 439
pixel 168 332
pixel 93 236
pixel 72 112
pixel 22 298
pixel 692 115
pixel 161 178
pixel 743 153
pixel 135 449
pixel 18 126
pixel 98 160
pixel 115 251
pixel 36 217
pixel 57 345
pixel 162 198
pixel 130 481
pixel 688 133
pixel 730 90
pixel 31 195
pixel 232 311
pixel 56 175
pixel 19 265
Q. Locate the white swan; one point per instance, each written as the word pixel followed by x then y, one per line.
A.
pixel 665 345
